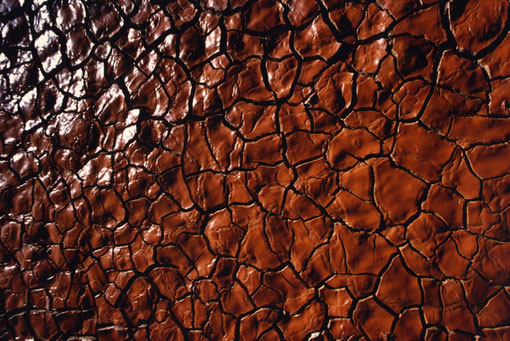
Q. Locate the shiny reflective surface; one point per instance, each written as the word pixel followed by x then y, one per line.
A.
pixel 255 170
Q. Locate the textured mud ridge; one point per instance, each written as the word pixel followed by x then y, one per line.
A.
pixel 255 170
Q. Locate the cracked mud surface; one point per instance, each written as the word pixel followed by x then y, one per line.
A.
pixel 255 170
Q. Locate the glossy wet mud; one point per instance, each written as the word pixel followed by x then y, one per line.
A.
pixel 255 170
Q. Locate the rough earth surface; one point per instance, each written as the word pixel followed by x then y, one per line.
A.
pixel 254 170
